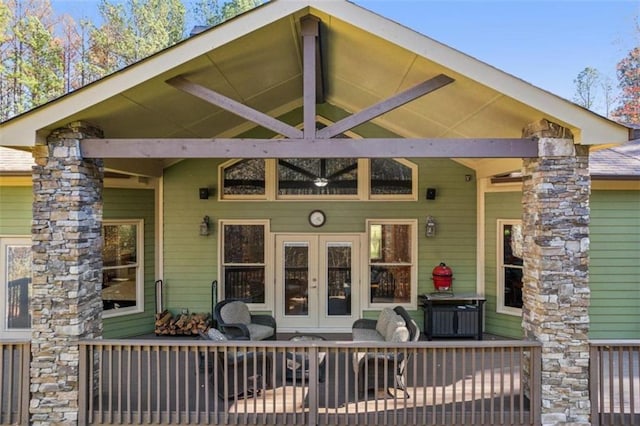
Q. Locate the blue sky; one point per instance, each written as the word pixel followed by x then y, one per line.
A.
pixel 544 42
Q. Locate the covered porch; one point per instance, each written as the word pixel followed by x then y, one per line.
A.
pixel 256 88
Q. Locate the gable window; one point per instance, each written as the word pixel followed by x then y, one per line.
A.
pixel 243 261
pixel 391 177
pixel 509 267
pixel 15 279
pixel 122 267
pixel 392 263
pixel 313 178
pixel 244 178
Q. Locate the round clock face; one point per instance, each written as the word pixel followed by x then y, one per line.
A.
pixel 317 218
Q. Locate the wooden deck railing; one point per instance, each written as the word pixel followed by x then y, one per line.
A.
pixel 284 382
pixel 615 382
pixel 14 382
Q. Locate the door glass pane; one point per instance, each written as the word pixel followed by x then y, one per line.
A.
pixel 296 278
pixel 19 286
pixel 339 279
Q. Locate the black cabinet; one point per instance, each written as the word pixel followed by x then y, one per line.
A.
pixel 451 315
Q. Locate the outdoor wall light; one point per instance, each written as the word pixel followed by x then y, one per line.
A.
pixel 430 229
pixel 204 226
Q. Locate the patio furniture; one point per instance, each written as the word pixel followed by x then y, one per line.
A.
pixel 237 323
pixel 395 326
pixel 298 362
pixel 238 373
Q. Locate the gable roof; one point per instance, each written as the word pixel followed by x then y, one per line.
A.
pixel 256 60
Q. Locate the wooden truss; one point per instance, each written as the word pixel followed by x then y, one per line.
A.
pixel 309 142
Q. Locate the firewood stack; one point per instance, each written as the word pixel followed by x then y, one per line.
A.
pixel 183 324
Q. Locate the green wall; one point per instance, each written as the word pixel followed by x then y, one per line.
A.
pixel 498 205
pixel 191 260
pixel 15 219
pixel 614 263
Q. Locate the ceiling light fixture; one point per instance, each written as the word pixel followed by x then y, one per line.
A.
pixel 321 182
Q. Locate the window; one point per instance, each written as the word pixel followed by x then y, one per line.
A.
pixel 392 265
pixel 243 261
pixel 244 178
pixel 391 177
pixel 15 278
pixel 312 178
pixel 122 267
pixel 509 268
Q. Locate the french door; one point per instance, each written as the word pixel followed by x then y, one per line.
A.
pixel 317 281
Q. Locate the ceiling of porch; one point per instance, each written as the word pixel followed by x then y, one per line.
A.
pixel 256 59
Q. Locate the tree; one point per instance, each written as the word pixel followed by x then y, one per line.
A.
pixel 131 31
pixel 213 12
pixel 587 84
pixel 628 71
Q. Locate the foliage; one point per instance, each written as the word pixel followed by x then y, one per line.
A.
pixel 44 55
pixel 586 83
pixel 628 71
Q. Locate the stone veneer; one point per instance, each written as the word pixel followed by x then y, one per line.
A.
pixel 556 188
pixel 67 270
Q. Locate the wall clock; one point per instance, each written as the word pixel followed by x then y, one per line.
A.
pixel 317 218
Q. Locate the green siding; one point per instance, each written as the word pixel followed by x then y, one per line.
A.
pixel 15 210
pixel 15 219
pixel 498 205
pixel 614 263
pixel 134 204
pixel 191 260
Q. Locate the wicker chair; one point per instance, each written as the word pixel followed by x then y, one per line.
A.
pixel 237 373
pixel 237 323
pixel 370 367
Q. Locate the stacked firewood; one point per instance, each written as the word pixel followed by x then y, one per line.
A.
pixel 183 324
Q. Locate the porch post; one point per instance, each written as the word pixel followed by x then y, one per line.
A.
pixel 556 295
pixel 66 304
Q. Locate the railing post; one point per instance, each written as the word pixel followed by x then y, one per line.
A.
pixel 82 385
pixel 594 381
pixel 536 385
pixel 313 386
pixel 24 396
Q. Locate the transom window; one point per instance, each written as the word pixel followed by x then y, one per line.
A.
pixel 392 263
pixel 122 267
pixel 509 266
pixel 312 178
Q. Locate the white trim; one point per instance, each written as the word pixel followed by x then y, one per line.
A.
pixel 500 307
pixel 480 235
pixel 269 260
pixel 366 278
pixel 139 307
pixel 5 241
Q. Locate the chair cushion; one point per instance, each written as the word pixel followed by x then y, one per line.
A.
pixel 259 331
pixel 396 333
pixel 235 313
pixel 216 335
pixel 386 315
pixel 366 334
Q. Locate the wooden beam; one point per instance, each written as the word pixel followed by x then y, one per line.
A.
pixel 234 107
pixel 314 148
pixel 309 25
pixel 385 106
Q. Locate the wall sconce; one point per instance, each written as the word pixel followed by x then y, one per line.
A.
pixel 430 229
pixel 204 226
pixel 204 193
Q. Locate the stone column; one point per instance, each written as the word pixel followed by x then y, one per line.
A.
pixel 66 304
pixel 556 188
